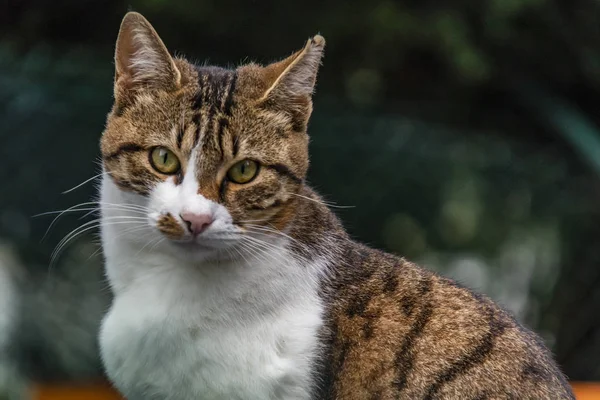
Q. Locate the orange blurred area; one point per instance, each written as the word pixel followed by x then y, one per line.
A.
pixel 586 390
pixel 583 391
pixel 87 392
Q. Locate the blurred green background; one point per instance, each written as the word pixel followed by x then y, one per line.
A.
pixel 461 134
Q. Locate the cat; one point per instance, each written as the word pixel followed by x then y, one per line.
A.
pixel 233 280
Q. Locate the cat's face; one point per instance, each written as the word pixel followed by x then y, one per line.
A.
pixel 211 155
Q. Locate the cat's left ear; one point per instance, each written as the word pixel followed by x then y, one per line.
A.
pixel 291 82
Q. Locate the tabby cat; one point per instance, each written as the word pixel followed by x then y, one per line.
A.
pixel 233 280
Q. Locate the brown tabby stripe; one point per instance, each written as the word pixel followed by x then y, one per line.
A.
pixel 209 140
pixel 198 99
pixel 134 185
pixel 226 108
pixel 358 304
pixel 371 319
pixel 344 347
pixel 211 120
pixel 406 356
pixel 124 184
pixel 179 177
pixel 533 373
pixel 212 83
pixel 197 119
pixel 223 189
pixel 283 170
pixel 211 94
pixel 180 134
pixel 359 300
pixel 476 356
pixel 124 148
pixel 391 280
pixel 220 78
pixel 118 110
pixel 236 146
pixel 222 123
pixel 230 90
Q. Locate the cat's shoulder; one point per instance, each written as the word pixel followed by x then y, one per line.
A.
pixel 388 314
pixel 367 281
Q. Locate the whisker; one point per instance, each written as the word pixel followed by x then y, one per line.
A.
pixel 65 242
pixel 87 214
pixel 79 231
pixel 66 239
pixel 63 211
pixel 269 230
pixel 265 253
pixel 84 182
pixel 252 252
pixel 123 207
pixel 263 244
pixel 122 233
pixel 95 253
pixel 241 254
pixel 228 253
pixel 126 205
pixel 272 247
pixel 95 222
pixel 160 240
pixel 128 231
pixel 327 204
pixel 146 245
pixel 254 220
pixel 68 210
pixel 61 214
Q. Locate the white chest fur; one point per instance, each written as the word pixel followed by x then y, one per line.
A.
pixel 186 332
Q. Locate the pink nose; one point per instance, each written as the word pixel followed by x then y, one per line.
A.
pixel 196 223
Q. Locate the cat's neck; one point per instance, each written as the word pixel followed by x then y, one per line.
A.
pixel 316 231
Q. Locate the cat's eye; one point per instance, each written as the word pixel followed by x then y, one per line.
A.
pixel 243 172
pixel 164 161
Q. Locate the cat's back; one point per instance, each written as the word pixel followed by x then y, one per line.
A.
pixel 394 330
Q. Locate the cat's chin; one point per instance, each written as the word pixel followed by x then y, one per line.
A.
pixel 198 251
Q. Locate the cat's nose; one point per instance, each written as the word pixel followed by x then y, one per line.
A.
pixel 196 223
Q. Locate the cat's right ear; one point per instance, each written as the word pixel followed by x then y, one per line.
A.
pixel 141 58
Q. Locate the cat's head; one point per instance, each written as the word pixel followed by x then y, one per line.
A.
pixel 208 154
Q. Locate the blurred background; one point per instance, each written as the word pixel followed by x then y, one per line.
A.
pixel 462 134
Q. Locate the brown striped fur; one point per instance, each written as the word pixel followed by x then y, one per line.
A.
pixel 392 330
pixel 169 226
pixel 397 331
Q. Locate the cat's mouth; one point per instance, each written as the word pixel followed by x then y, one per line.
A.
pixel 201 249
pixel 193 250
pixel 193 245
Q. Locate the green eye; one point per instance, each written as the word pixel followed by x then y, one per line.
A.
pixel 164 161
pixel 243 172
